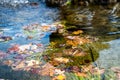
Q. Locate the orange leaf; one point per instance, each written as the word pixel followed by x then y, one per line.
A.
pixel 77 32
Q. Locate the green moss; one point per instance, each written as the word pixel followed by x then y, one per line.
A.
pixel 83 60
pixel 92 50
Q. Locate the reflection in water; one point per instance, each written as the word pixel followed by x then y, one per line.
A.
pixel 109 25
pixel 97 21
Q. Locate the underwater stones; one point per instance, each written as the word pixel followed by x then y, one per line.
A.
pixel 5 38
pixel 54 3
pixel 34 4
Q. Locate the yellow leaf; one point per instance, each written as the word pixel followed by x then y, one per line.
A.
pixel 77 32
pixel 60 77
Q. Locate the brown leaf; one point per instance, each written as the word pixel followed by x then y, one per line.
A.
pixel 47 70
pixel 8 62
pixel 19 66
pixel 116 69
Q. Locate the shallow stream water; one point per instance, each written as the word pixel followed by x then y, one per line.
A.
pixel 13 19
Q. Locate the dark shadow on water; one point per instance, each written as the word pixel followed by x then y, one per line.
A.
pixel 7 73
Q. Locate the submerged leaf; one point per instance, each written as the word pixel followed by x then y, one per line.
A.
pixel 47 70
pixel 61 60
pixel 8 62
pixel 77 32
